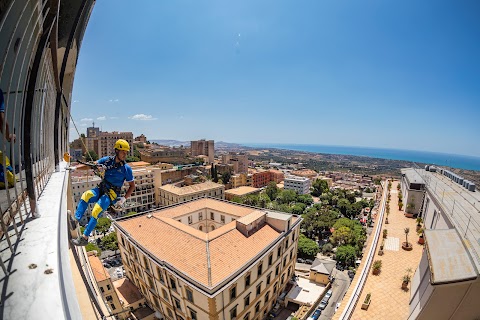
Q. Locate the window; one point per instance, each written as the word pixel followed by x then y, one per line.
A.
pixel 200 216
pixel 257 307
pixel 109 298
pixel 259 270
pixel 189 294
pixel 233 313
pixel 108 287
pixel 284 261
pixel 275 287
pixel 246 300
pixel 189 219
pixel 165 294
pixel 155 300
pixel 173 284
pixel 193 314
pixel 270 259
pixel 160 275
pixel 267 295
pixel 222 218
pixel 277 269
pixel 177 304
pixel 293 237
pixel 212 216
pixel 283 278
pixel 150 282
pixel 123 241
pixel 291 254
pixel 247 280
pixel 286 244
pixel 145 261
pixel 233 293
pixel 101 289
pixel 279 251
pixel 112 306
pixel 268 278
pixel 247 316
pixel 259 289
pixel 170 314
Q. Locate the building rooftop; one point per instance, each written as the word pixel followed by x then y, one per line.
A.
pixel 127 291
pixel 448 259
pixel 412 176
pixel 207 258
pixel 241 191
pixel 306 292
pixel 462 208
pixel 191 189
pixel 97 268
pixel 138 164
pixel 297 178
pixel 323 266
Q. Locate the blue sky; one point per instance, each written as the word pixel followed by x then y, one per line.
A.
pixel 387 74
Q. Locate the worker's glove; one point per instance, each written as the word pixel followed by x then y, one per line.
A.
pixel 121 202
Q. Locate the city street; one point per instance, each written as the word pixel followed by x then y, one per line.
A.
pixel 339 288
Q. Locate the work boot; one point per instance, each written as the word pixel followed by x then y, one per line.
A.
pixel 81 241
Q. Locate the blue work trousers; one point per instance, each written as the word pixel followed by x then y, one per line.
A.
pixel 103 201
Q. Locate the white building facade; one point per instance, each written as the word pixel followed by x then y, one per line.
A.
pixel 299 184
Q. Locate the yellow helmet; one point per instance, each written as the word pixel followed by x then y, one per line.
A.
pixel 122 145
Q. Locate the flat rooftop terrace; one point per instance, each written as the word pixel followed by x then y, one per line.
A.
pixel 462 207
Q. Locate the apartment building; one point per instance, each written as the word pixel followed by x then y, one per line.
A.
pixel 241 179
pixel 171 194
pixel 413 191
pixel 446 284
pixel 141 138
pixel 102 143
pixel 105 284
pixel 240 192
pixel 305 173
pixel 299 184
pixel 261 178
pixel 239 161
pixel 165 154
pixel 210 259
pixel 203 148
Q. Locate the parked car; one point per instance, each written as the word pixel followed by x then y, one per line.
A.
pixel 351 274
pixel 328 294
pixel 119 272
pixel 300 260
pixel 316 314
pixel 308 261
pixel 323 304
pixel 106 265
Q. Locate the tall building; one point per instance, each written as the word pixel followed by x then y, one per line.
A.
pixel 262 178
pixel 299 184
pixel 413 190
pixel 171 194
pixel 165 154
pixel 203 147
pixel 238 160
pixel 210 259
pixel 102 143
pixel 446 284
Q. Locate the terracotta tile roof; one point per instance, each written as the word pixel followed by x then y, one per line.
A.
pixel 191 189
pixel 139 164
pixel 127 291
pixel 190 251
pixel 251 217
pixel 240 191
pixel 97 268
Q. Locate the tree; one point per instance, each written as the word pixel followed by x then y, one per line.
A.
pixel 91 156
pixel 109 242
pixel 377 181
pixel 305 199
pixel 307 247
pixel 319 186
pixel 103 224
pixel 132 159
pixel 342 236
pixel 298 208
pixel 214 174
pixel 90 247
pixel 286 196
pixel 263 200
pixel 226 177
pixel 327 219
pixel 346 254
pixel 327 248
pixel 272 190
pixel 343 205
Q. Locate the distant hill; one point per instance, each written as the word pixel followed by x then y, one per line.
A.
pixel 172 143
pixel 177 143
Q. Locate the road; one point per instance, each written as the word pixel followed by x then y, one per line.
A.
pixel 339 288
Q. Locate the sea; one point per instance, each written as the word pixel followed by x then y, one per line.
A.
pixel 440 159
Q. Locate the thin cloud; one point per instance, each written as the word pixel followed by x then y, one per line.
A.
pixel 103 118
pixel 113 118
pixel 113 100
pixel 142 117
pixel 75 101
pixel 86 119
